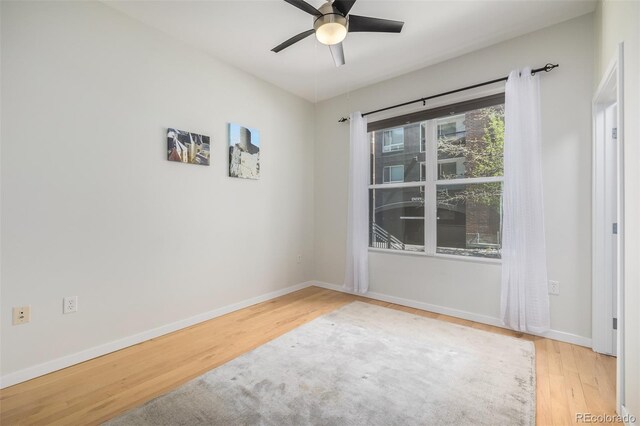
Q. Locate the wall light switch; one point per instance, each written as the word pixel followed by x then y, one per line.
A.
pixel 21 315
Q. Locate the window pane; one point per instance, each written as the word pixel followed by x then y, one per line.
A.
pixel 396 216
pixel 393 174
pixel 471 144
pixel 450 170
pixel 397 174
pixel 393 140
pixel 396 151
pixel 469 219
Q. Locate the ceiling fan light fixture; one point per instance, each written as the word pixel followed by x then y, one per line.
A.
pixel 331 33
pixel 331 29
pixel 332 22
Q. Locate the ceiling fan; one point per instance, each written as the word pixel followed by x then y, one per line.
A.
pixel 332 22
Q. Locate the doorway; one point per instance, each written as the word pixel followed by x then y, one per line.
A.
pixel 608 220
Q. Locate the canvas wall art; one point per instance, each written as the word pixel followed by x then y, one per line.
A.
pixel 187 147
pixel 244 152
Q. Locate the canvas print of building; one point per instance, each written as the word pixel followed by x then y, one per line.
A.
pixel 187 147
pixel 244 152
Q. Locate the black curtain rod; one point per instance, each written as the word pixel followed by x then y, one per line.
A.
pixel 546 68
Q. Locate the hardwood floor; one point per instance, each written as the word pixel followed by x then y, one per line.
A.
pixel 570 379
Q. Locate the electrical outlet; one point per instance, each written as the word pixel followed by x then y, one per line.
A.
pixel 70 304
pixel 554 287
pixel 21 315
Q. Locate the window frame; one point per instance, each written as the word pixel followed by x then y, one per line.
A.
pixel 423 174
pixel 386 149
pixel 384 182
pixel 430 185
pixel 448 120
pixel 455 160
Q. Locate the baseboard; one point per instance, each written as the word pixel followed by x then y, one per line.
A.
pixel 484 319
pixel 78 357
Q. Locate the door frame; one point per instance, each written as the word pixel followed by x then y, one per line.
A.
pixel 609 92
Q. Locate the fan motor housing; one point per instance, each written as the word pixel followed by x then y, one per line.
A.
pixel 329 16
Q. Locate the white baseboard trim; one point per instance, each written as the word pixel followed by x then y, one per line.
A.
pixel 484 319
pixel 78 357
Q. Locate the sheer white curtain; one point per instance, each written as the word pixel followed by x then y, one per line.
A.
pixel 525 298
pixel 357 269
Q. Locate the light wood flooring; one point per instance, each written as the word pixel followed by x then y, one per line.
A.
pixel 570 379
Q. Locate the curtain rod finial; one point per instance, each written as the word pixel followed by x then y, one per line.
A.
pixel 547 68
pixel 343 119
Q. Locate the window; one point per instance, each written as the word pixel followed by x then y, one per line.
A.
pixel 443 193
pixel 393 140
pixel 394 174
pixel 399 219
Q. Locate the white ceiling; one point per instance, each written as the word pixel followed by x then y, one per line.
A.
pixel 242 33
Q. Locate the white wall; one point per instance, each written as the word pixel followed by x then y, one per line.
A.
pixel 90 205
pixel 566 114
pixel 615 22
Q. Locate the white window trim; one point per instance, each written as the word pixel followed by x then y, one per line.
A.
pixel 392 148
pixel 464 181
pixel 395 185
pixel 430 185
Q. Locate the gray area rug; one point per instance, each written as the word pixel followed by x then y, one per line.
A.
pixel 361 365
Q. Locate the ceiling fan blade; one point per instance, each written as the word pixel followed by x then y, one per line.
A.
pixel 373 25
pixel 303 5
pixel 343 6
pixel 293 40
pixel 337 53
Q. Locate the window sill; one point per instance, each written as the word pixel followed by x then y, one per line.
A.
pixel 488 260
pixel 484 260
